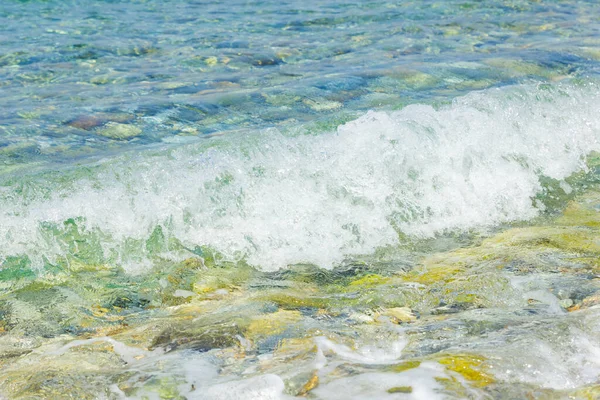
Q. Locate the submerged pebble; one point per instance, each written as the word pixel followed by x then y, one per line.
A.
pixel 118 131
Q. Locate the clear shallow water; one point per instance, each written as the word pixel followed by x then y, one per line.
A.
pixel 330 200
pixel 182 70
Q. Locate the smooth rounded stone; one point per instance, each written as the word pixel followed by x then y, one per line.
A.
pixel 233 44
pixel 321 105
pixel 207 107
pixel 209 279
pixel 289 56
pixel 136 51
pixel 337 83
pixel 189 89
pixel 226 85
pixel 521 67
pixel 237 98
pixel 399 314
pixel 211 61
pixel 374 99
pixel 583 211
pixel 361 318
pixel 200 336
pixel 277 116
pixel 281 99
pixel 587 302
pixel 188 113
pixel 118 131
pixel 172 85
pixel 154 109
pixel 86 122
pixel 404 79
pixel 105 79
pixel 449 309
pixel 566 303
pixel 260 60
pixel 345 96
pixel 89 122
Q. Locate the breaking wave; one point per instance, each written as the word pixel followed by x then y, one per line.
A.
pixel 275 199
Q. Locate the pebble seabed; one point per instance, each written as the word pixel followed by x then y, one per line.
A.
pixel 511 315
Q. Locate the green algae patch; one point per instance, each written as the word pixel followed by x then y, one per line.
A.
pixel 582 212
pixel 118 131
pixel 400 389
pixel 294 300
pixel 572 239
pixel 591 392
pixel 272 324
pixel 445 267
pixel 431 274
pixel 369 281
pixel 405 366
pixel 470 367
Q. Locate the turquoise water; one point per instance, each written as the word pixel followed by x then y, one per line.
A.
pixel 269 200
pixel 182 70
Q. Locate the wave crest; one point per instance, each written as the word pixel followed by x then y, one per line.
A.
pixel 275 200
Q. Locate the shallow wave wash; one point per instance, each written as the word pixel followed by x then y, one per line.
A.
pixel 275 199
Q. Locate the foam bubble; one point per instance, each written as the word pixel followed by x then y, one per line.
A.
pixel 420 384
pixel 277 199
pixel 263 387
pixel 558 357
pixel 372 354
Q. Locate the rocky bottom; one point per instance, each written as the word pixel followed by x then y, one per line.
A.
pixel 514 315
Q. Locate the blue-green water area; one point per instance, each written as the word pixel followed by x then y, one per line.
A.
pixel 260 200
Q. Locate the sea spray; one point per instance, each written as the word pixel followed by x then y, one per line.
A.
pixel 274 199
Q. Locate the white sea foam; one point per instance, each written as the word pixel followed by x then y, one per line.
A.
pixel 374 386
pixel 277 199
pixel 264 387
pixel 388 354
pixel 557 357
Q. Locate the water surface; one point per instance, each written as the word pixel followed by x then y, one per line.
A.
pixel 265 200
